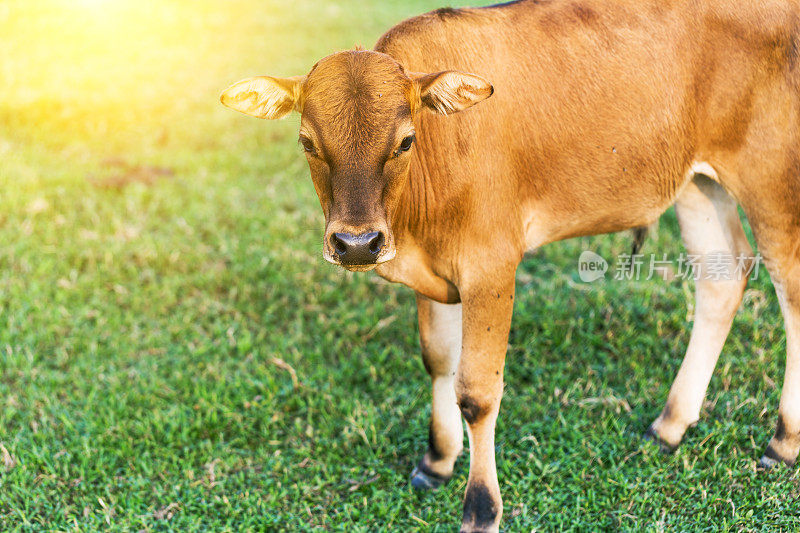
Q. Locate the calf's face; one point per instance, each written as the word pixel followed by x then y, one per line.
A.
pixel 358 132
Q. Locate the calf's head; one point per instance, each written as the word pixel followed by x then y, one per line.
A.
pixel 357 130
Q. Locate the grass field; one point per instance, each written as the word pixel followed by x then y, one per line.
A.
pixel 176 355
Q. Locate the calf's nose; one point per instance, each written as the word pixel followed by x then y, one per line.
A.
pixel 360 249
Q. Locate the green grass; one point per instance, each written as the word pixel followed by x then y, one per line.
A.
pixel 141 327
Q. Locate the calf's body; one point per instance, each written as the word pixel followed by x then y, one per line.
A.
pixel 599 113
pixel 603 114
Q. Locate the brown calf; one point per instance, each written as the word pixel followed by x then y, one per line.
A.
pixel 605 113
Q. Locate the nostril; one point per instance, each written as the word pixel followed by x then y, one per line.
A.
pixel 361 249
pixel 376 243
pixel 338 243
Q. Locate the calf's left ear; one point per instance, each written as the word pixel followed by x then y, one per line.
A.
pixel 449 91
pixel 265 96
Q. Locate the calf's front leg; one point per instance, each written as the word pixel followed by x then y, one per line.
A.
pixel 440 339
pixel 487 309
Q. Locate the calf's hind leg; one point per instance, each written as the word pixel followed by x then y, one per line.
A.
pixel 778 236
pixel 711 229
pixel 440 338
pixel 785 445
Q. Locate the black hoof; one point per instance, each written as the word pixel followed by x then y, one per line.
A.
pixel 424 479
pixel 651 436
pixel 771 459
pixel 767 463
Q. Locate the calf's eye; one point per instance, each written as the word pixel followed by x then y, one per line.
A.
pixel 308 146
pixel 405 145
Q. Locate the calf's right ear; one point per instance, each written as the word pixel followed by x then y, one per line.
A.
pixel 265 96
